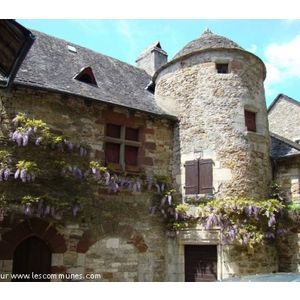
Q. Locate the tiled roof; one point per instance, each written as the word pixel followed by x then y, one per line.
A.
pixel 282 147
pixel 51 64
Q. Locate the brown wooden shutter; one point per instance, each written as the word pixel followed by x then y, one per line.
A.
pixel 191 177
pixel 131 155
pixel 250 120
pixel 205 176
pixel 113 152
pixel 199 176
pixel 113 131
pixel 131 134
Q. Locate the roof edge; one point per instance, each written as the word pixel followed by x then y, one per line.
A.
pixel 29 39
pixel 104 102
pixel 278 97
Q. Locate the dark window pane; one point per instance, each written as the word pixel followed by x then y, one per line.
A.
pixel 250 120
pixel 86 78
pixel 112 153
pixel 131 134
pixel 113 131
pixel 222 68
pixel 131 155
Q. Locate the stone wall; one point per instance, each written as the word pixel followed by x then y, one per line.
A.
pixel 288 177
pixel 114 236
pixel 289 250
pixel 233 259
pixel 283 119
pixel 210 108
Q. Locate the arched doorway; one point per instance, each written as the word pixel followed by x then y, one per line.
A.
pixel 32 261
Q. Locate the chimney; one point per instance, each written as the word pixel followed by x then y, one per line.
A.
pixel 152 58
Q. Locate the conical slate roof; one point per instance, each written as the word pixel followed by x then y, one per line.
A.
pixel 207 40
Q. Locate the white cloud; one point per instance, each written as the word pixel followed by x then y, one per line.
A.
pixel 285 58
pixel 282 63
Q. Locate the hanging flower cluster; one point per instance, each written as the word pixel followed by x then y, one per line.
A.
pixel 239 220
pixel 43 206
pixel 5 169
pixel 27 129
pixel 30 129
pixel 26 170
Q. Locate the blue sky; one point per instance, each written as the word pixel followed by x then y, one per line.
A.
pixel 275 41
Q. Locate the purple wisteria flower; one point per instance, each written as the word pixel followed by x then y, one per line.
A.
pixel 271 221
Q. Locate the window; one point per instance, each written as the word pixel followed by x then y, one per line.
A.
pixel 222 68
pixel 250 120
pixel 86 75
pixel 199 176
pixel 122 148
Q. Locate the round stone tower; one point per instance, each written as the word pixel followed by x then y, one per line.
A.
pixel 216 90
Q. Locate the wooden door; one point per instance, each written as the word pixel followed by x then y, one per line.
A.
pixel 32 257
pixel 200 263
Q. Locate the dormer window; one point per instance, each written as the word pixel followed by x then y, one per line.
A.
pixel 86 75
pixel 222 68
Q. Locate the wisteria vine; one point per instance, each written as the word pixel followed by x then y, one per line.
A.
pixel 35 133
pixel 244 221
pixel 239 220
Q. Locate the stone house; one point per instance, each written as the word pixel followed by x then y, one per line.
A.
pixel 199 120
pixel 283 115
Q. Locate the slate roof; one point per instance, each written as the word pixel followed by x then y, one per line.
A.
pixel 282 147
pixel 50 65
pixel 207 40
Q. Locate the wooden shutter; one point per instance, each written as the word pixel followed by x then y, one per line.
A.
pixel 199 176
pixel 191 177
pixel 131 155
pixel 250 120
pixel 131 134
pixel 113 131
pixel 205 176
pixel 113 152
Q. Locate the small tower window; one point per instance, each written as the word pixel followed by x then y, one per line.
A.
pixel 222 68
pixel 250 121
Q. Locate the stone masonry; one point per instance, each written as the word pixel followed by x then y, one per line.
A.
pixel 210 108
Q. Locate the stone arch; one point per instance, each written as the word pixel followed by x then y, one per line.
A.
pixel 124 231
pixel 31 227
